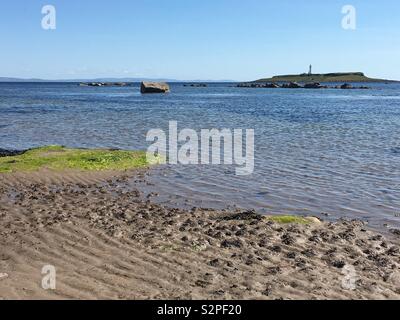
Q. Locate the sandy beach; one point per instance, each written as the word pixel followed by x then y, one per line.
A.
pixel 107 241
pixel 199 159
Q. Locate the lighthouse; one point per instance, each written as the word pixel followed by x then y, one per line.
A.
pixel 310 70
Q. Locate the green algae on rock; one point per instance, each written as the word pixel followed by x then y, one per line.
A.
pixel 62 158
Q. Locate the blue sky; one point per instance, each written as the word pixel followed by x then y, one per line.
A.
pixel 188 39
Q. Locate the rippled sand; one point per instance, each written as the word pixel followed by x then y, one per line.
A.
pixel 109 242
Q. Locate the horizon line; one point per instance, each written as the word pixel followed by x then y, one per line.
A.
pixel 139 79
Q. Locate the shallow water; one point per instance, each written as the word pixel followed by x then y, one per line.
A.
pixel 330 153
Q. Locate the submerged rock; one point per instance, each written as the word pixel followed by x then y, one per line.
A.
pixel 346 86
pixel 257 85
pixel 104 84
pixel 197 85
pixel 292 85
pixel 11 153
pixel 245 215
pixel 154 87
pixel 272 85
pixel 396 232
pixel 314 85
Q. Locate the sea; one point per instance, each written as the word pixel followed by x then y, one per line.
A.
pixel 327 153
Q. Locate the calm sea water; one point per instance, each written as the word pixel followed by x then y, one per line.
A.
pixel 318 152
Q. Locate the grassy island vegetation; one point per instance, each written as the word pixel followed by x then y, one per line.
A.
pixel 326 77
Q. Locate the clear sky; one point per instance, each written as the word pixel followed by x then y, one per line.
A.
pixel 193 39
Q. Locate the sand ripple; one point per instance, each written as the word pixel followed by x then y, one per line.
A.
pixel 108 242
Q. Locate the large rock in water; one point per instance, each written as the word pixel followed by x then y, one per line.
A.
pixel 154 87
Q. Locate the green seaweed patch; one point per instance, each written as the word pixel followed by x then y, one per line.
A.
pixel 291 219
pixel 61 158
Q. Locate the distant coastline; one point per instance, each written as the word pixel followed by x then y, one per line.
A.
pixel 109 80
pixel 300 78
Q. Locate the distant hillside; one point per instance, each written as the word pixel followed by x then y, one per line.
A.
pixel 327 77
pixel 7 79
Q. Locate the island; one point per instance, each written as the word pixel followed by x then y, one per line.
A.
pixel 312 80
pixel 324 77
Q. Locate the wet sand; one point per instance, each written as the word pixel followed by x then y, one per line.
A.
pixel 107 241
